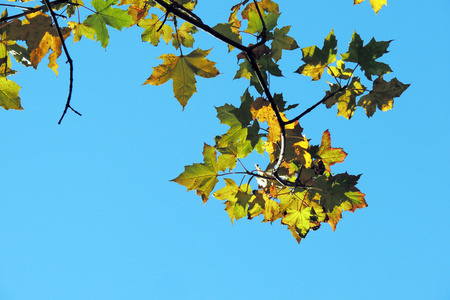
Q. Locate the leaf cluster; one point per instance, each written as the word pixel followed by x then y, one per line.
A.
pixel 297 186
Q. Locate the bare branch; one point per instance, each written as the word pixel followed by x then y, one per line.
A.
pixel 69 60
pixel 317 104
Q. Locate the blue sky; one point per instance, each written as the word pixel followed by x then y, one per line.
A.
pixel 87 210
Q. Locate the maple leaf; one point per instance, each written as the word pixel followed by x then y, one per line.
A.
pixel 262 111
pixel 229 30
pixel 154 29
pixel 240 139
pixel 300 213
pixel 376 4
pixel 330 155
pixel 79 30
pixel 181 69
pixel 340 71
pixel 48 42
pixel 107 15
pixel 184 36
pixel 9 94
pixel 280 41
pixel 303 156
pixel 226 161
pixel 201 176
pixel 255 25
pixel 316 59
pixel 237 199
pixel 40 35
pixel 265 5
pixel 366 55
pixel 337 194
pixel 382 95
pixel 346 99
pixel 5 59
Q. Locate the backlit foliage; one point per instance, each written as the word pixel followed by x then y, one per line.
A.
pixel 297 185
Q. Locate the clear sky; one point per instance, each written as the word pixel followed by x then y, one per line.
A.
pixel 87 210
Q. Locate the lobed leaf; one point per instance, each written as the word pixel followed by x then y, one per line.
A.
pixel 182 70
pixel 201 177
pixel 280 41
pixel 40 35
pixel 183 36
pixel 365 56
pixel 104 15
pixel 154 30
pixel 316 59
pixel 328 154
pixel 346 99
pixel 382 95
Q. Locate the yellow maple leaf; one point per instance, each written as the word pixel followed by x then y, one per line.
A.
pixel 182 70
pixel 376 4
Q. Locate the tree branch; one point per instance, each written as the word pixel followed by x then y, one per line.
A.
pixel 30 10
pixel 69 60
pixel 317 104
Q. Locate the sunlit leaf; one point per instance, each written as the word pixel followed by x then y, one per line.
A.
pixel 328 154
pixel 376 4
pixel 201 177
pixel 237 199
pixel 346 99
pixel 9 94
pixel 104 15
pixel 182 70
pixel 316 59
pixel 154 30
pixel 184 36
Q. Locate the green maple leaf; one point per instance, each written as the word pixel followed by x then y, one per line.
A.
pixel 265 64
pixel 201 177
pixel 382 95
pixel 237 199
pixel 107 15
pixel 182 70
pixel 300 213
pixel 226 161
pixel 328 154
pixel 316 59
pixel 240 139
pixel 236 131
pixel 230 31
pixel 154 30
pixel 337 194
pixel 366 55
pixel 280 41
pixel 255 24
pixel 9 94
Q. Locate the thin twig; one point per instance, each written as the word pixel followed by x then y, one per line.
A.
pixel 30 10
pixel 69 60
pixel 317 104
